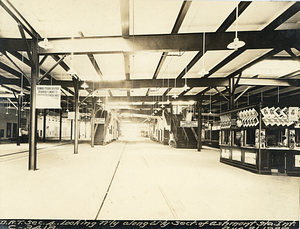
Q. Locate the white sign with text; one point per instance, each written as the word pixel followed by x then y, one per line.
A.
pixel 48 97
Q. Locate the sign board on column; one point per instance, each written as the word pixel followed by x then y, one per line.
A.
pixel 99 120
pixel 48 97
pixel 189 123
pixel 71 115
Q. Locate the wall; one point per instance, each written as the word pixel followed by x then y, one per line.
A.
pixel 13 120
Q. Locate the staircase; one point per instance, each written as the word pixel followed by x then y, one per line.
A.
pixel 100 129
pixel 186 138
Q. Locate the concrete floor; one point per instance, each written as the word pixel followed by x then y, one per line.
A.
pixel 138 179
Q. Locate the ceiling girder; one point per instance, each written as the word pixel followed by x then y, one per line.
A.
pixel 163 43
pixel 201 82
pixel 125 24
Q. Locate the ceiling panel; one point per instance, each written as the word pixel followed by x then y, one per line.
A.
pixel 56 18
pixel 119 92
pixel 174 64
pixel 195 90
pixel 240 61
pixel 159 16
pixel 111 66
pixel 176 91
pixel 272 68
pixel 101 93
pixel 157 91
pixel 285 54
pixel 259 14
pixel 143 65
pixel 8 28
pixel 208 61
pixel 138 92
pixel 291 23
pixel 206 16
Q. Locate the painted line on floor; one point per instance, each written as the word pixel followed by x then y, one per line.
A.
pixel 173 211
pixel 107 191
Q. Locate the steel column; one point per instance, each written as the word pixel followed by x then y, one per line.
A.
pixel 32 122
pixel 199 142
pixel 60 124
pixel 71 130
pixel 44 126
pixel 76 127
pixel 19 119
pixel 231 93
pixel 93 123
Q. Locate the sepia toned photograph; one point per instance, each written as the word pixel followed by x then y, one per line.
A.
pixel 149 114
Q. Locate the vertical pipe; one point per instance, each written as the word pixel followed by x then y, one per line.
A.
pixel 44 125
pixel 76 128
pixel 19 121
pixel 60 124
pixel 199 105
pixel 93 123
pixel 32 122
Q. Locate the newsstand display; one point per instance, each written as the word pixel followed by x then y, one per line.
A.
pixel 261 139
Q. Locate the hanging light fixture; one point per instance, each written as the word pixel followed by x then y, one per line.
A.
pixel 175 96
pixel 203 72
pixel 99 100
pixel 185 87
pixel 71 71
pixel 236 44
pixel 67 105
pixel 85 85
pixel 45 44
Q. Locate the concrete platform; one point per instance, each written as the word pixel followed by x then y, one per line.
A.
pixel 138 179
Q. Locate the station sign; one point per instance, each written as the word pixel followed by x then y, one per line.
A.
pixel 48 97
pixel 189 123
pixel 99 120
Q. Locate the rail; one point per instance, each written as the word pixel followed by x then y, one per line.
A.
pixel 194 132
pixel 185 134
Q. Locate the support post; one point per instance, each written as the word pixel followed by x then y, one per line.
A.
pixel 44 126
pixel 199 105
pixel 231 93
pixel 32 122
pixel 60 124
pixel 93 123
pixel 71 130
pixel 76 127
pixel 19 120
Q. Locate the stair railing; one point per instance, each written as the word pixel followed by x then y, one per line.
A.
pixel 194 132
pixel 185 135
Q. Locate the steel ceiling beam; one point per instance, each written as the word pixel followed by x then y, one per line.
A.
pixel 164 43
pixel 125 23
pixel 201 82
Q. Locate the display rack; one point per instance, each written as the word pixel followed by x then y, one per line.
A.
pixel 262 139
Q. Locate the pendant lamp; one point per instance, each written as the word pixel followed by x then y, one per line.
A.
pixel 85 85
pixel 236 44
pixel 203 72
pixel 45 44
